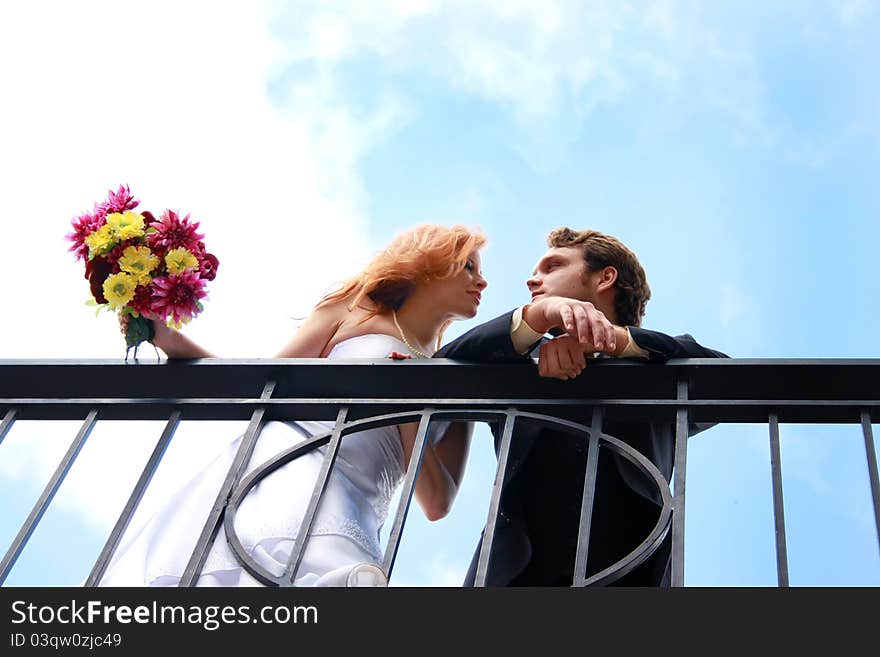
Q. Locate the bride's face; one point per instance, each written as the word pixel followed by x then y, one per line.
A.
pixel 459 295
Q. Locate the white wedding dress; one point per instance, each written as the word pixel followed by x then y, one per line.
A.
pixel 345 532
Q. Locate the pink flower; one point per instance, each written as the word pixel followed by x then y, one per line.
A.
pixel 177 295
pixel 83 226
pixel 118 201
pixel 173 232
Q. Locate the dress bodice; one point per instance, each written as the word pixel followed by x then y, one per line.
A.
pixel 369 465
pixel 369 345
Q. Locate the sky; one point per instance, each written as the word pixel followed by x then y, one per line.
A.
pixel 734 147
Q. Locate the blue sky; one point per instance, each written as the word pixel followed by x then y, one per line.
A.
pixel 734 148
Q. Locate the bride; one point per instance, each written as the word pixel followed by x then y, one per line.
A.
pixel 399 306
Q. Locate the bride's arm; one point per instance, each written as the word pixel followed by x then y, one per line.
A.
pixel 443 466
pixel 174 343
pixel 309 340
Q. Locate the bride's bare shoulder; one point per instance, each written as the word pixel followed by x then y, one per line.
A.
pixel 357 321
pixel 312 339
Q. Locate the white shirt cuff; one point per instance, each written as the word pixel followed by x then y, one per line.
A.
pixel 522 335
pixel 632 349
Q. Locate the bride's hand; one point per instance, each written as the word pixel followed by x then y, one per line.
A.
pixel 396 355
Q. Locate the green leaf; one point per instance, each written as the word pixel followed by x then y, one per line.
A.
pixel 140 329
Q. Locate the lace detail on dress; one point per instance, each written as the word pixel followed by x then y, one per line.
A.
pixel 221 558
pixel 334 524
pixel 387 486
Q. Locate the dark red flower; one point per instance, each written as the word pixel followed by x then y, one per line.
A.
pixel 115 254
pixel 149 218
pixel 208 264
pixel 97 271
pixel 143 299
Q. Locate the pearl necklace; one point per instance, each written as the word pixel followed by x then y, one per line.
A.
pixel 420 354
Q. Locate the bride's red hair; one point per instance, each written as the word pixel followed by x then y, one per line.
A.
pixel 420 254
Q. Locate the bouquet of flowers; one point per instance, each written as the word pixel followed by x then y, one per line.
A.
pixel 141 266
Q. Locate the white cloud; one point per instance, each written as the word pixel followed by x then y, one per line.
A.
pixel 853 13
pixel 32 450
pixel 170 98
pixel 110 462
pixel 99 481
pixel 549 65
pixel 740 318
pixel 103 94
pixel 441 571
pixel 537 59
pixel 734 305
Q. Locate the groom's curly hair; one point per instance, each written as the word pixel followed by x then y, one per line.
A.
pixel 423 253
pixel 600 251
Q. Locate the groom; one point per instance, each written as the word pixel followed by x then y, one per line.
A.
pixel 590 290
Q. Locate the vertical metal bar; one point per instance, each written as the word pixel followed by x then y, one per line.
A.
pixel 495 501
pixel 681 437
pixel 409 484
pixel 133 501
pixel 46 497
pixel 580 561
pixel 215 517
pixel 320 486
pixel 872 468
pixel 6 425
pixel 778 506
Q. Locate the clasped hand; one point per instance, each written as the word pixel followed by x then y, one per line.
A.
pixel 562 357
pixel 587 331
pixel 580 319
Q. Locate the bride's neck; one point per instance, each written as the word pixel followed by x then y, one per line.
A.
pixel 421 322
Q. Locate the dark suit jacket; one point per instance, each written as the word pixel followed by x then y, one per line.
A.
pixel 536 536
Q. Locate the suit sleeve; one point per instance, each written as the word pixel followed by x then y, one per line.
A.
pixel 486 343
pixel 662 347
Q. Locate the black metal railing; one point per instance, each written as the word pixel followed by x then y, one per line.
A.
pixel 358 395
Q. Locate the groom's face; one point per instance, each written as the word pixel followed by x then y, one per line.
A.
pixel 561 272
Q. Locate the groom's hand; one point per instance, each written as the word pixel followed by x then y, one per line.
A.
pixel 561 358
pixel 580 319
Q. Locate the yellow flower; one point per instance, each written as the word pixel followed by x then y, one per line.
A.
pixel 126 224
pixel 119 289
pixel 139 262
pixel 179 260
pixel 100 241
pixel 170 323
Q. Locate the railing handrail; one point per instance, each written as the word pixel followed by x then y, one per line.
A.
pixel 684 393
pixel 720 390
